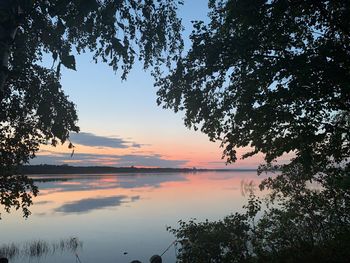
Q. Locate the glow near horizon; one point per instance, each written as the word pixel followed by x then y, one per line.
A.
pixel 109 107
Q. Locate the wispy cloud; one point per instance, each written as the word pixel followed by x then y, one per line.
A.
pixel 87 159
pixel 90 139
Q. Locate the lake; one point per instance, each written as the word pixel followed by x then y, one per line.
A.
pixel 122 217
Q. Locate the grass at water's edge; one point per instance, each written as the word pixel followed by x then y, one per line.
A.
pixel 40 248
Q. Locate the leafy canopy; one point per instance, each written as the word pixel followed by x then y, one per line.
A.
pixel 272 75
pixel 33 107
pixel 294 224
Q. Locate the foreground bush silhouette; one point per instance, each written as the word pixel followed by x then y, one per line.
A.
pixel 299 223
pixel 272 76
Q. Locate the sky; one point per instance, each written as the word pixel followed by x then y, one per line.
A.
pixel 121 124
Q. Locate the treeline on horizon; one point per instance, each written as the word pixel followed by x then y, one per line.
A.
pixel 65 169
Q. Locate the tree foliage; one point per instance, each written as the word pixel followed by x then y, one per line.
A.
pixel 272 75
pixel 295 223
pixel 34 109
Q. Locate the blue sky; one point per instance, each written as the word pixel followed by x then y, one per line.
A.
pixel 121 118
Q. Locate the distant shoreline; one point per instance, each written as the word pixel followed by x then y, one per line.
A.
pixel 66 169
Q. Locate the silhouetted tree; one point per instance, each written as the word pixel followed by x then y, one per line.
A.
pixel 33 107
pixel 273 75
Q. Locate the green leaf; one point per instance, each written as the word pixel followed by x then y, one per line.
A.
pixel 68 61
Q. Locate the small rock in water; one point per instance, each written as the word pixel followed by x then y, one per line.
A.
pixel 135 261
pixel 125 253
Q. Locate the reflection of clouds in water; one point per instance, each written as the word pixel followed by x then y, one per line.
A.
pixel 41 214
pixel 151 180
pixel 89 204
pixel 70 183
pixel 137 182
pixel 135 198
pixel 42 202
pixel 234 188
pixel 225 175
pixel 49 191
pixel 45 180
pixel 86 183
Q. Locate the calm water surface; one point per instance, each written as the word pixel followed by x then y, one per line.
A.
pixel 117 214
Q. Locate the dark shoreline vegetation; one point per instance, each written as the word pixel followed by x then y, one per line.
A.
pixel 66 169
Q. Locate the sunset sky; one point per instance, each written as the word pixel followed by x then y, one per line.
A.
pixel 121 124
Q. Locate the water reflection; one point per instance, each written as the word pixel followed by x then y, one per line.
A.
pixel 89 204
pixel 154 181
pixel 40 248
pixel 93 182
pixel 46 180
pixel 117 213
pixel 44 202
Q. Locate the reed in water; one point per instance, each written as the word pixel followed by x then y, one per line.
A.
pixel 40 248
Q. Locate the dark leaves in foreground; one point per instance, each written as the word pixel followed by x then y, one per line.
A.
pixel 34 109
pixel 272 76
